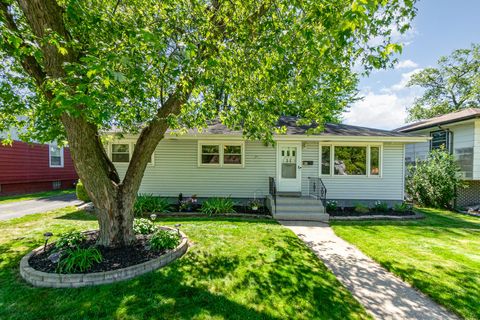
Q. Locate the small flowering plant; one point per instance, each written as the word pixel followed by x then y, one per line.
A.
pixel 332 205
pixel 380 206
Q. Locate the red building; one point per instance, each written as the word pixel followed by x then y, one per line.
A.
pixel 26 168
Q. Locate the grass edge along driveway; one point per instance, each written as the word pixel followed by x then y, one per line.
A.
pixel 234 269
pixel 37 195
pixel 439 255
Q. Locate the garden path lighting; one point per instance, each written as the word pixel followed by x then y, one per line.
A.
pixel 178 225
pixel 153 216
pixel 47 236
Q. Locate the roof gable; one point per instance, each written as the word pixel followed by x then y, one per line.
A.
pixel 453 117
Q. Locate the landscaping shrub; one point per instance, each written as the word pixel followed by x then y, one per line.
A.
pixel 332 206
pixel 164 239
pixel 360 208
pixel 217 206
pixel 81 192
pixel 144 226
pixel 78 260
pixel 380 206
pixel 433 182
pixel 402 207
pixel 71 239
pixel 150 203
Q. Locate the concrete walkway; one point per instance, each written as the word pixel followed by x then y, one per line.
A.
pixel 382 294
pixel 21 208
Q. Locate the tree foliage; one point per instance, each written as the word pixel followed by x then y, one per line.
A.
pixel 434 181
pixel 73 69
pixel 452 86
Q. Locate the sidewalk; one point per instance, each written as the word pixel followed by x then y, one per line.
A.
pixel 382 294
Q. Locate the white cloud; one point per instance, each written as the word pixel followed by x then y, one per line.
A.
pixel 383 111
pixel 406 64
pixel 402 84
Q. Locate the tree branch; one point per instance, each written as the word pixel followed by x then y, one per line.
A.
pixel 29 63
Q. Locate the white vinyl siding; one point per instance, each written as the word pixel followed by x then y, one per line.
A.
pixel 463 147
pixel 387 187
pixel 176 171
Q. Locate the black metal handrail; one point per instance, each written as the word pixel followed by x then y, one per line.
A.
pixel 317 189
pixel 272 189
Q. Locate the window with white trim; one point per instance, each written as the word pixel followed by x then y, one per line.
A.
pixel 120 152
pixel 55 154
pixel 221 154
pixel 350 160
pixel 441 139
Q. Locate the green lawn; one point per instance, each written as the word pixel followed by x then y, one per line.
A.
pixel 30 196
pixel 440 255
pixel 235 269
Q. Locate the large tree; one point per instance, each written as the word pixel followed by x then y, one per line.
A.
pixel 73 69
pixel 452 86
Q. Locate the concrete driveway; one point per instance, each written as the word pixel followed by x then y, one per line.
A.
pixel 21 208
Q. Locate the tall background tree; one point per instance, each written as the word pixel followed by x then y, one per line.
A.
pixel 72 69
pixel 452 86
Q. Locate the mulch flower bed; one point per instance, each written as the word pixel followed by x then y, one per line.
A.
pixel 350 212
pixel 112 258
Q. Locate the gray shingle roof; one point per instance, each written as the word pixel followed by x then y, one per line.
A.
pixel 216 127
pixel 465 114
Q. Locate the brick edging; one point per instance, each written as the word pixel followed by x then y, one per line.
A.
pixel 77 280
pixel 378 217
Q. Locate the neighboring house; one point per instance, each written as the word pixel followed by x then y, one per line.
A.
pixel 459 134
pixel 26 168
pixel 355 164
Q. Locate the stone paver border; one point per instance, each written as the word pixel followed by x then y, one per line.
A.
pixel 415 216
pixel 56 280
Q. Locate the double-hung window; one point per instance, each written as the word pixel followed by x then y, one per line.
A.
pixel 120 152
pixel 441 139
pixel 221 154
pixel 56 159
pixel 350 160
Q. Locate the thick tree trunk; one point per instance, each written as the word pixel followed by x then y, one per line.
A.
pixel 116 223
pixel 114 199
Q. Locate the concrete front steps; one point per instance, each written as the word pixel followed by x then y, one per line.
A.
pixel 297 208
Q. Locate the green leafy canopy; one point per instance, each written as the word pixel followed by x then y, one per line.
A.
pixel 246 62
pixel 452 86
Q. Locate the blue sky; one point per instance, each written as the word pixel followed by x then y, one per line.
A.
pixel 440 27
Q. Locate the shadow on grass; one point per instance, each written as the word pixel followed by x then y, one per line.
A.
pixel 82 215
pixel 463 302
pixel 433 218
pixel 281 280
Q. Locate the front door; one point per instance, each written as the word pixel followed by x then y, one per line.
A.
pixel 289 160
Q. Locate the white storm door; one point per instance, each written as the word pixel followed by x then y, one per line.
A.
pixel 289 160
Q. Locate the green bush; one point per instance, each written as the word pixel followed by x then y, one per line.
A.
pixel 434 181
pixel 71 239
pixel 150 203
pixel 402 207
pixel 78 260
pixel 217 206
pixel 164 239
pixel 144 226
pixel 360 208
pixel 332 206
pixel 380 206
pixel 81 192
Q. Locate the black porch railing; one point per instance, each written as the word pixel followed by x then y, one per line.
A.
pixel 272 189
pixel 317 190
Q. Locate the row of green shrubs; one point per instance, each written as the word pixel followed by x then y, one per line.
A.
pixel 148 203
pixel 378 206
